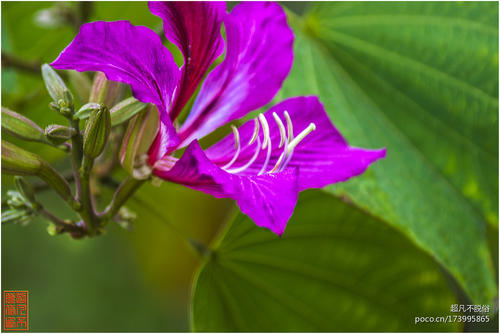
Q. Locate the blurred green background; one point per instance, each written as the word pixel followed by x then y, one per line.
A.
pixel 413 235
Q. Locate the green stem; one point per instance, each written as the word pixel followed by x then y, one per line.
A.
pixel 63 226
pixel 81 171
pixel 87 211
pixel 57 182
pixel 76 154
pixel 126 189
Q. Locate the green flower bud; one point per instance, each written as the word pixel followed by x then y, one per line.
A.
pixel 96 132
pixel 125 110
pixel 17 161
pixel 12 216
pixel 85 111
pixel 137 140
pixel 52 229
pixel 54 106
pixel 125 218
pixel 15 200
pixel 21 127
pixel 58 134
pixel 55 85
pixel 68 97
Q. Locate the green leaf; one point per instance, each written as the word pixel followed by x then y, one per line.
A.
pixel 421 80
pixel 335 269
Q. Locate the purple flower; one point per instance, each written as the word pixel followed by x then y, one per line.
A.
pixel 264 163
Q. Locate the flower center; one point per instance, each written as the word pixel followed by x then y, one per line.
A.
pixel 287 141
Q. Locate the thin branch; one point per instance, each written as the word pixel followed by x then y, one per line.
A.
pixel 49 215
pixel 11 61
pixel 62 226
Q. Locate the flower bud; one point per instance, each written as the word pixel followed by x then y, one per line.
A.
pixel 55 85
pixel 87 109
pixel 137 140
pixel 21 127
pixel 17 161
pixel 15 200
pixel 58 134
pixel 125 218
pixel 125 110
pixel 96 132
pixel 104 91
pixel 12 216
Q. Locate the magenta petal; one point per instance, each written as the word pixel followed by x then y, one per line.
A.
pixel 322 158
pixel 268 199
pixel 126 53
pixel 130 54
pixel 194 27
pixel 259 57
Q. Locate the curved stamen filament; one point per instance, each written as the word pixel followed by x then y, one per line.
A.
pixel 248 164
pixel 265 130
pixel 281 127
pixel 278 163
pixel 289 126
pixel 237 146
pixel 286 139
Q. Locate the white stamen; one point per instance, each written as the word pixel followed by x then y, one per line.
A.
pixel 237 146
pixel 268 157
pixel 289 126
pixel 287 140
pixel 236 136
pixel 281 127
pixel 300 137
pixel 288 157
pixel 265 130
pixel 255 132
pixel 255 155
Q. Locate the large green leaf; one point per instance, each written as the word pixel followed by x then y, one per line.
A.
pixel 335 269
pixel 421 80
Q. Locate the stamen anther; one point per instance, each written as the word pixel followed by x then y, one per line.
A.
pixel 289 126
pixel 255 132
pixel 281 127
pixel 248 164
pixel 236 136
pixel 265 129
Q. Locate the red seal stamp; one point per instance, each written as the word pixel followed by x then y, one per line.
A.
pixel 15 310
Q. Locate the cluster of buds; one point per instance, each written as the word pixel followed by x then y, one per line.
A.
pixel 104 116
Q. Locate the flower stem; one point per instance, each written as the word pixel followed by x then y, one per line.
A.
pixel 126 189
pixel 81 171
pixel 87 210
pixel 76 154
